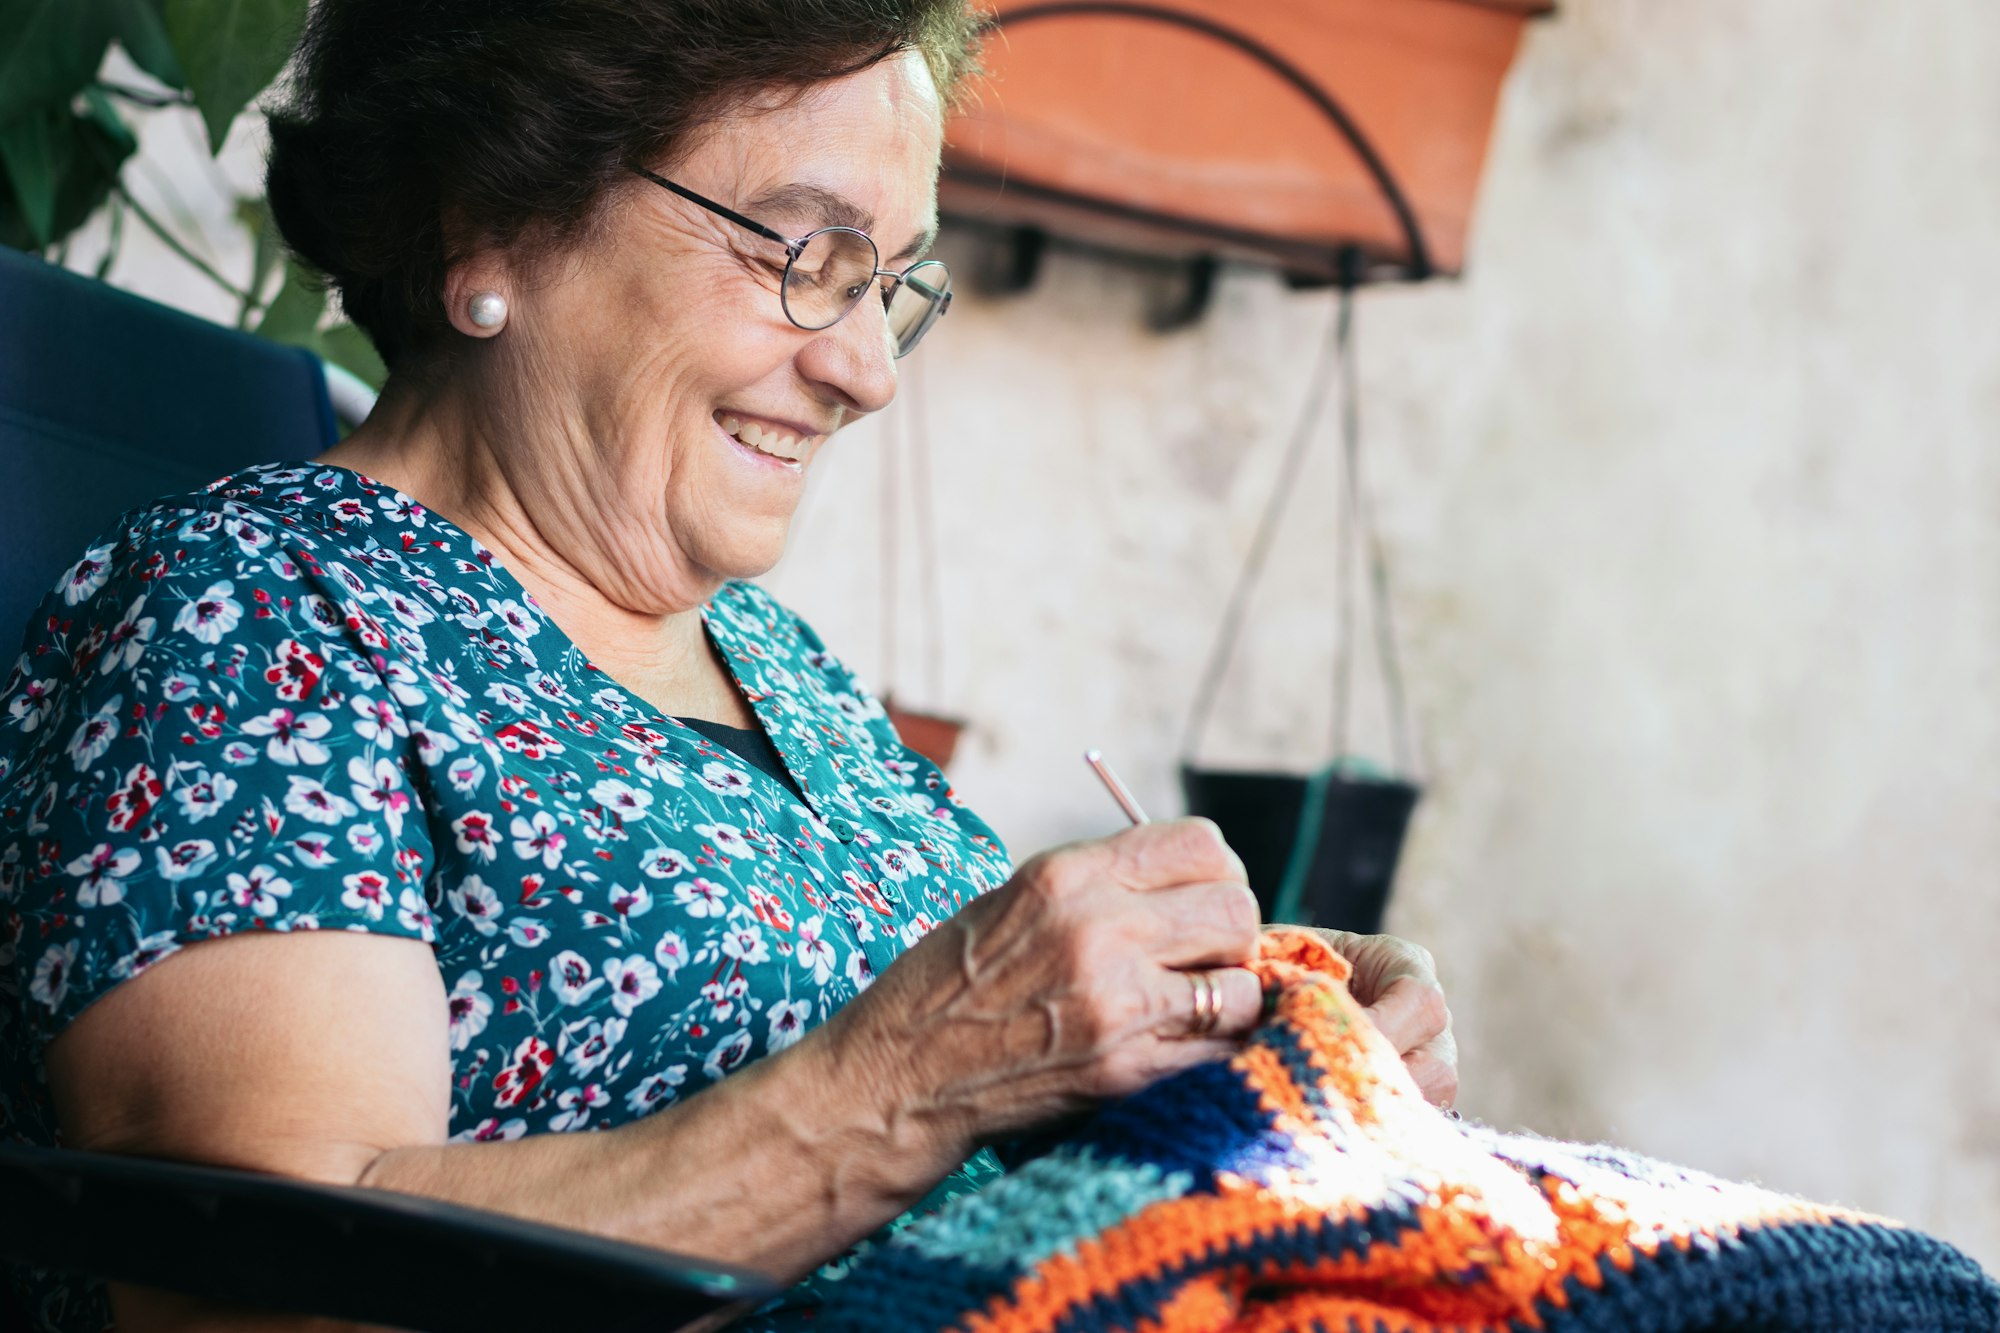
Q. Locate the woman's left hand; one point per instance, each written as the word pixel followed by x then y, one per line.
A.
pixel 1396 981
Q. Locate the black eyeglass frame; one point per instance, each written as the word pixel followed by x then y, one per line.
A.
pixel 794 247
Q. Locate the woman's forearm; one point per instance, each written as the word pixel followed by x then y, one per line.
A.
pixel 778 1167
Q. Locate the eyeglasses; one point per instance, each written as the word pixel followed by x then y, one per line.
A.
pixel 829 271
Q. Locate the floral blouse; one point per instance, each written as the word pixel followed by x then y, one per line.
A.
pixel 300 701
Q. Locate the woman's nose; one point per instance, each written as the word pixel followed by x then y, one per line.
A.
pixel 854 361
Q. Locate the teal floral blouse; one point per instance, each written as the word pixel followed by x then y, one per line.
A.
pixel 300 701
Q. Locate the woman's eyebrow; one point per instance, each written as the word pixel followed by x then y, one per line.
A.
pixel 800 200
pixel 829 208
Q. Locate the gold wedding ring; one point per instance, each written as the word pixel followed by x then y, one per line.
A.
pixel 1207 1003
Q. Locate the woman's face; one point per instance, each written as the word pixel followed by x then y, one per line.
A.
pixel 629 355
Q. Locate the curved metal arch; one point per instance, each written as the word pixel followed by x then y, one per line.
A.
pixel 1371 160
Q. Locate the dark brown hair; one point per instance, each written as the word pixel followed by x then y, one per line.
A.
pixel 516 118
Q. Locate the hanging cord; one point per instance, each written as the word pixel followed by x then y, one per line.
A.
pixel 892 442
pixel 1358 530
pixel 924 501
pixel 1267 527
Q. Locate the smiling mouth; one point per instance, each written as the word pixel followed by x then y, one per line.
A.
pixel 770 440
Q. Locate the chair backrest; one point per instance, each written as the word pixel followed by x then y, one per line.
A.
pixel 108 400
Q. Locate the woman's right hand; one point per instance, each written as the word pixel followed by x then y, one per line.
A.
pixel 1066 985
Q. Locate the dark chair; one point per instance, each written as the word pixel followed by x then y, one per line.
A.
pixel 106 401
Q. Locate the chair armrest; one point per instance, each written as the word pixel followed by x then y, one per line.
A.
pixel 346 1253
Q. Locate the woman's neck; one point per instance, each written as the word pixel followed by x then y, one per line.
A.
pixel 426 446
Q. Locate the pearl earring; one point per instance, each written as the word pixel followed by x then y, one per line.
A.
pixel 488 310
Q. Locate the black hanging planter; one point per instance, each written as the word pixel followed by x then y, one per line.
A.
pixel 1320 850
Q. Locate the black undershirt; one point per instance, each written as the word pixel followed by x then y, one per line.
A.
pixel 750 744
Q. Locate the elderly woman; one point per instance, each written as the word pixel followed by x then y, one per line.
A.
pixel 388 817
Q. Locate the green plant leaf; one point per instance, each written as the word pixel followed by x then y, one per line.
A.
pixel 30 147
pixel 229 51
pixel 58 169
pixel 48 50
pixel 267 249
pixel 348 347
pixel 294 313
pixel 141 28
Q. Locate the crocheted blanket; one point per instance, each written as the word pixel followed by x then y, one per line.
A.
pixel 1305 1185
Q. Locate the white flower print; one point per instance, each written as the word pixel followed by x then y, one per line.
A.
pixel 151 950
pixel 899 862
pixel 469 1006
pixel 610 700
pixel 52 973
pixel 129 638
pixel 814 952
pixel 860 972
pixel 433 746
pixel 367 892
pixel 314 850
pixel 656 1090
pixel 93 736
pixel 788 1022
pixel 259 890
pixel 528 932
pixel 576 1105
pixel 701 897
pixel 492 1130
pixel 465 774
pixel 671 953
pixel 723 779
pixel 538 839
pixel 413 913
pixel 321 613
pixel 365 839
pixel 188 857
pixel 240 753
pixel 474 832
pixel 410 611
pixel 85 577
pixel 730 1052
pixel 31 706
pixel 745 943
pixel 728 839
pixel 378 787
pixel 599 1040
pixel 476 903
pixel 101 875
pixel 515 618
pixel 633 981
pixel 294 736
pixel 665 862
pixel 380 721
pixel 632 902
pixel 622 798
pixel 211 615
pixel 309 799
pixel 204 794
pixel 570 976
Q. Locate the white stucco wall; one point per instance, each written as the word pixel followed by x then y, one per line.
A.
pixel 1693 492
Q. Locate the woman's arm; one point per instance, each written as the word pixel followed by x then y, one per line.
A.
pixel 324 1056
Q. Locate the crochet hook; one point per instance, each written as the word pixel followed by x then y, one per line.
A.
pixel 1095 758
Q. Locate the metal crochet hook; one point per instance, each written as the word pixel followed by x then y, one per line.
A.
pixel 1095 758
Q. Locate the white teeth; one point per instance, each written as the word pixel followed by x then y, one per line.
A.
pixel 767 440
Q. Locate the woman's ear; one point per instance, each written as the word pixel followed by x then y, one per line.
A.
pixel 477 296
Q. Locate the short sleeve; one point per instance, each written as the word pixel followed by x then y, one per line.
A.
pixel 199 740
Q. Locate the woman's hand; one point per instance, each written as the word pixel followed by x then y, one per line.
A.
pixel 1397 982
pixel 1070 983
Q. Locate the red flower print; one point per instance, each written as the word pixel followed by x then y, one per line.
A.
pixel 295 670
pixel 532 1061
pixel 134 798
pixel 527 740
